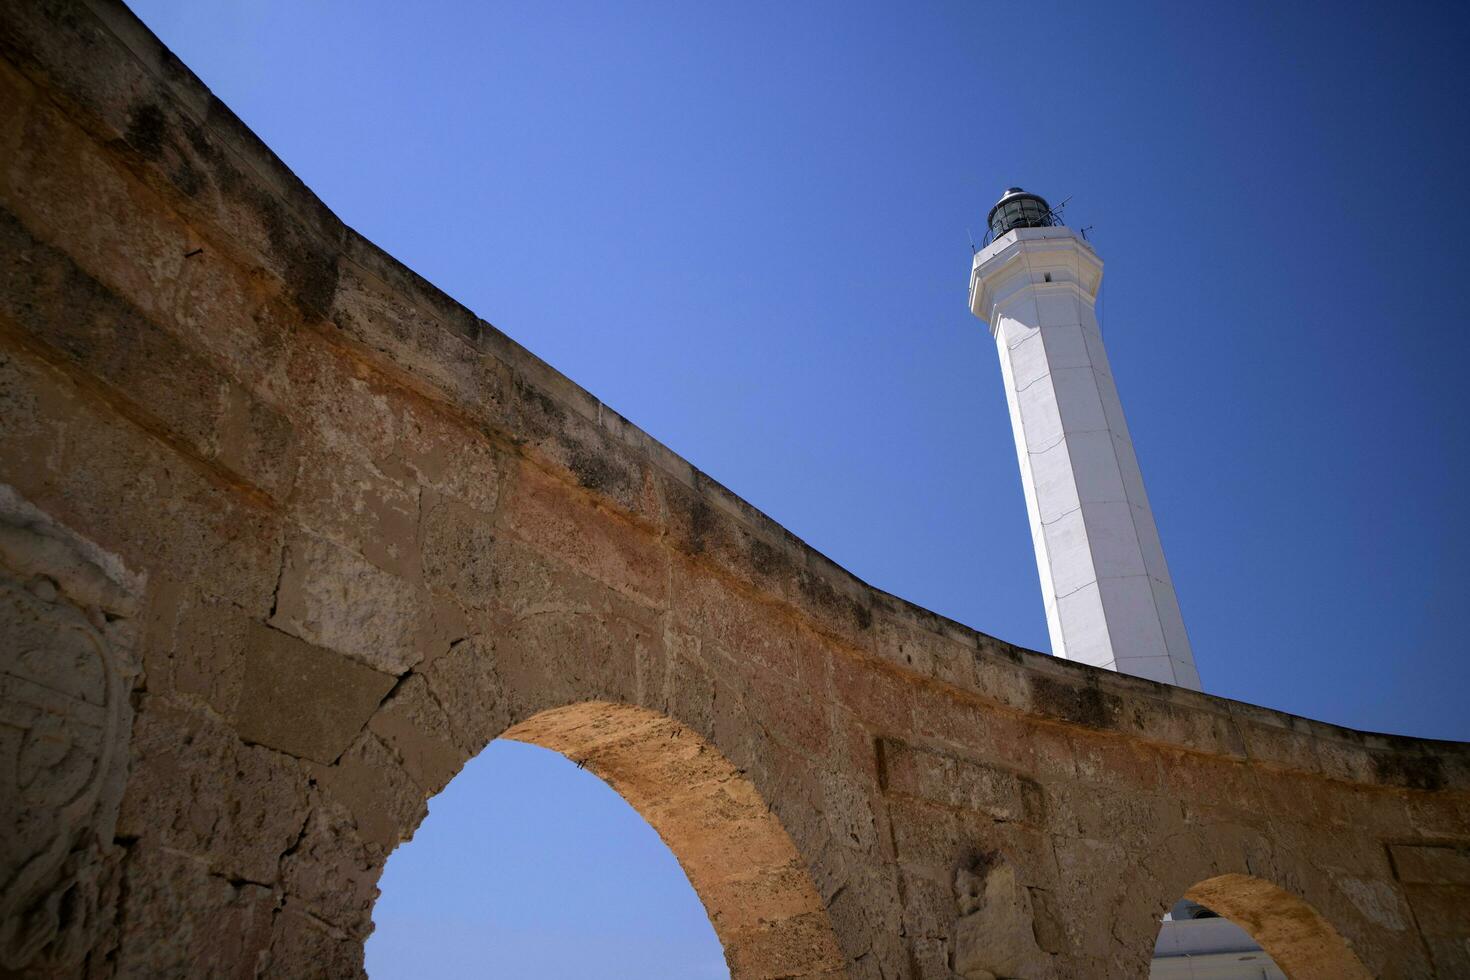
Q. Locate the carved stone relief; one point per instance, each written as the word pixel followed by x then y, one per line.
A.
pixel 66 671
pixel 1005 929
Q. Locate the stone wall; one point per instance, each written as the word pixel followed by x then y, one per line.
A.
pixel 286 536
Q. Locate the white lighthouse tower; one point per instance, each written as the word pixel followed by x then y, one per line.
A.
pixel 1109 599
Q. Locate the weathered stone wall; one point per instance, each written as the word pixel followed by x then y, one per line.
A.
pixel 286 536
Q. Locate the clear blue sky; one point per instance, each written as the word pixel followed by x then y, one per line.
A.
pixel 744 227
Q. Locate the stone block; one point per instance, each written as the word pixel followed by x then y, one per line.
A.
pixel 877 694
pixel 925 834
pixel 348 501
pixel 928 903
pixel 257 441
pixel 104 476
pixel 84 325
pixel 755 635
pixel 1279 740
pixel 1085 756
pixel 852 813
pixel 199 655
pixel 961 783
pixel 1069 555
pixel 305 700
pixel 1431 864
pixel 795 715
pixel 930 956
pixel 866 914
pixel 465 681
pixel 370 783
pixel 305 947
pixel 689 690
pixel 734 731
pixel 333 598
pixel 1439 916
pixel 425 335
pixel 459 550
pixel 151 373
pixel 559 657
pixel 836 604
pixel 1338 759
pixel 1374 898
pixel 1130 814
pixel 1430 814
pixel 703 520
pixel 1005 928
pixel 729 844
pixel 1068 694
pixel 528 583
pixel 561 422
pixel 748 898
pixel 341 403
pixel 1025 357
pixel 57 159
pixel 854 749
pixel 1171 717
pixel 787 947
pixel 197 789
pixel 332 873
pixel 548 515
pixel 183 919
pixel 439 450
pixel 964 721
pixel 33 417
pixel 414 725
pixel 1054 480
pixel 220 310
pixel 1041 420
pixel 791 783
pixel 903 642
pixel 1210 781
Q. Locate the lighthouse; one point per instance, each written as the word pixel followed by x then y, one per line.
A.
pixel 1109 598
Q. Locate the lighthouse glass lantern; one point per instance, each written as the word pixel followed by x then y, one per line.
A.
pixel 1019 209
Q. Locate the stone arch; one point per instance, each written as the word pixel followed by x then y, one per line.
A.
pixel 1303 943
pixel 741 862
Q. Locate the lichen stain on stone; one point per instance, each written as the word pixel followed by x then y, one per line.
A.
pixel 594 472
pixel 1078 702
pixel 147 128
pixel 1409 770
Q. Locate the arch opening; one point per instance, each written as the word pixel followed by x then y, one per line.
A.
pixel 1238 927
pixel 527 866
pixel 753 885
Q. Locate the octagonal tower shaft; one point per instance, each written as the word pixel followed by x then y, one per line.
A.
pixel 1109 599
